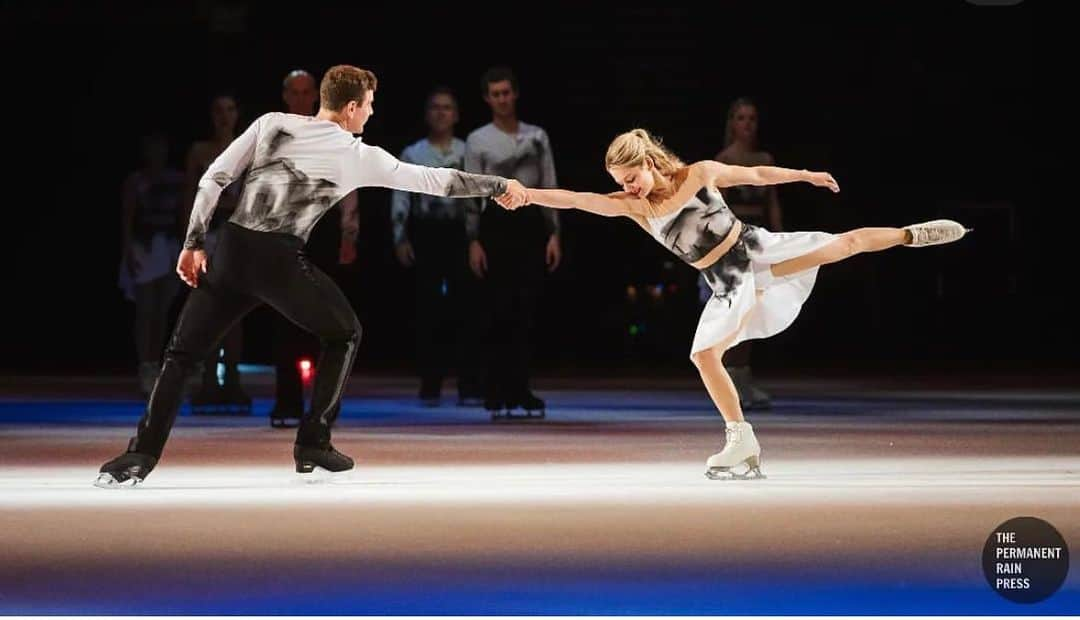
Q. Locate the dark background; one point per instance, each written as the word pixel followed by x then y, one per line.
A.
pixel 919 110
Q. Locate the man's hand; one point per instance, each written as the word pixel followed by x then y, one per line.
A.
pixel 347 253
pixel 477 259
pixel 516 196
pixel 824 179
pixel 190 265
pixel 553 253
pixel 405 254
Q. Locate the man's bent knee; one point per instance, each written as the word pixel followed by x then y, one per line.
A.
pixel 184 359
pixel 349 336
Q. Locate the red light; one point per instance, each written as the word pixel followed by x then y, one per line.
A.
pixel 306 369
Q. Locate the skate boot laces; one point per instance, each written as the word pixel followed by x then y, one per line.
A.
pixel 732 436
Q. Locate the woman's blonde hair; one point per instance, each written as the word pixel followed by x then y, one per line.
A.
pixel 634 147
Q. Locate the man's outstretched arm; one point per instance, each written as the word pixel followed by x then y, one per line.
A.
pixel 377 168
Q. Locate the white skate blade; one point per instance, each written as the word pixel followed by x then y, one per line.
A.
pixel 106 480
pixel 319 475
pixel 728 473
pixel 752 471
pixel 720 473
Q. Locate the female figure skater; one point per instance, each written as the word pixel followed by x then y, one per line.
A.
pixel 759 279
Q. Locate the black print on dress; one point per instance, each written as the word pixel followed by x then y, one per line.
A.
pixel 725 275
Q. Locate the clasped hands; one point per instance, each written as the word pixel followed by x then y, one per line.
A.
pixel 517 195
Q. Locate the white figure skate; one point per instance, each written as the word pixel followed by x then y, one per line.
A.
pixel 741 448
pixel 935 232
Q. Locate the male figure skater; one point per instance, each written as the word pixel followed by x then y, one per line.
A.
pixel 299 167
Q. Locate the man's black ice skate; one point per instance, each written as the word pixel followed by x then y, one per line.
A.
pixel 470 393
pixel 533 407
pixel 316 463
pixel 126 470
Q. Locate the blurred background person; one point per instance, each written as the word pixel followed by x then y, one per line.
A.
pixel 151 229
pixel 300 92
pixel 429 236
pixel 510 251
pixel 228 395
pixel 757 205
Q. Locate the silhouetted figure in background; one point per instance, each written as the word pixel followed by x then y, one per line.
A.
pixel 753 204
pixel 429 234
pixel 228 396
pixel 510 251
pixel 151 224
